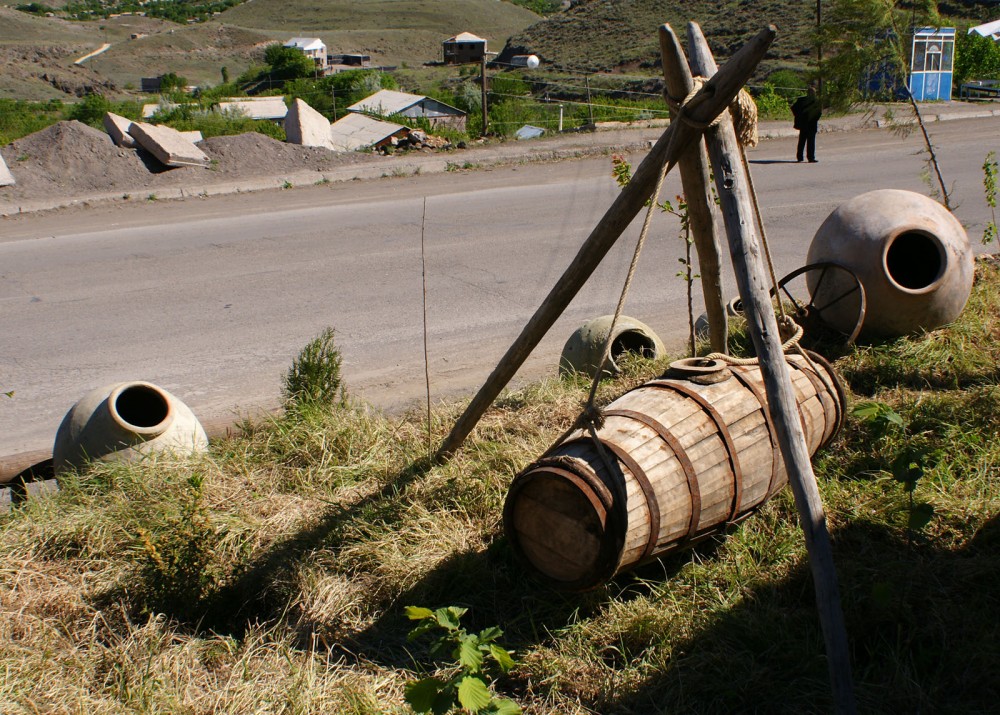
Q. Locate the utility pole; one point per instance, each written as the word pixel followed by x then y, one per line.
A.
pixel 482 84
pixel 819 49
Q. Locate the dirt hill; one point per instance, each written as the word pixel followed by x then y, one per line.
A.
pixel 616 35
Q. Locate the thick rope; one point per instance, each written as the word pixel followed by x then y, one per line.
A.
pixel 792 343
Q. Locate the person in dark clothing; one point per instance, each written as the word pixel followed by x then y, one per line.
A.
pixel 807 111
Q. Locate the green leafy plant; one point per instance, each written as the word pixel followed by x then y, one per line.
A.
pixel 990 187
pixel 468 688
pixel 907 458
pixel 314 377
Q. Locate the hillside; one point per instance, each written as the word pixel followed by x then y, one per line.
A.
pixel 37 53
pixel 608 35
pixel 394 30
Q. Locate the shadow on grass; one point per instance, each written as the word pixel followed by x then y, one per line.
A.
pixel 921 623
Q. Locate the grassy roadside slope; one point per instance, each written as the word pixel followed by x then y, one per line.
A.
pixel 271 575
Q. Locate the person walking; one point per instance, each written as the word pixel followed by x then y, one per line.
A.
pixel 807 111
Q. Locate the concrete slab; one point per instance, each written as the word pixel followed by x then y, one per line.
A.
pixel 358 131
pixel 305 126
pixel 167 145
pixel 6 178
pixel 117 128
pixel 193 136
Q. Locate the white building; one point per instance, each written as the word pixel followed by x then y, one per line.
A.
pixel 311 47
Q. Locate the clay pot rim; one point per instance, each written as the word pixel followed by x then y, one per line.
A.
pixel 942 255
pixel 152 430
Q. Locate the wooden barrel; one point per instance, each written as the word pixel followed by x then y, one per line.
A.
pixel 678 459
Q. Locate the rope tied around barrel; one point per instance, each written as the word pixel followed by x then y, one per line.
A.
pixel 786 325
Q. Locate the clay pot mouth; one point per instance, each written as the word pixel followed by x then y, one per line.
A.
pixel 141 408
pixel 914 261
pixel 631 341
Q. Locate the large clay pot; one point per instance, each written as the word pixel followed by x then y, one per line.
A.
pixel 124 422
pixel 911 255
pixel 585 346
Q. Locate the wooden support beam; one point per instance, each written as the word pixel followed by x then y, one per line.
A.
pixel 751 276
pixel 695 182
pixel 713 98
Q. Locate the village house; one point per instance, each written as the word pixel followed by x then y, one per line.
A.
pixel 313 48
pixel 389 103
pixel 463 48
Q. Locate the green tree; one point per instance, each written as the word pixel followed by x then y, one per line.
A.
pixel 288 62
pixel 976 57
pixel 171 82
pixel 91 109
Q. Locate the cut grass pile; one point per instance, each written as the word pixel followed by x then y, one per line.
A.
pixel 271 575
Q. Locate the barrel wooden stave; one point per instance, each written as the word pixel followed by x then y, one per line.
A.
pixel 711 452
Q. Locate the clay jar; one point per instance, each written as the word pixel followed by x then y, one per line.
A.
pixel 583 350
pixel 911 255
pixel 124 422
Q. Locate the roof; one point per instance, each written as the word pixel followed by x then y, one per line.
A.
pixel 148 110
pixel 386 102
pixel 306 43
pixel 357 131
pixel 989 29
pixel 257 107
pixel 466 37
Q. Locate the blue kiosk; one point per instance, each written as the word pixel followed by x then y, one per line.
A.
pixel 932 63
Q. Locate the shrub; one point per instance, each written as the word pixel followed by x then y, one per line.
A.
pixel 314 377
pixel 176 561
pixel 91 110
pixel 787 83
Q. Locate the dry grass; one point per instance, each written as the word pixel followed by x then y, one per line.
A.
pixel 320 526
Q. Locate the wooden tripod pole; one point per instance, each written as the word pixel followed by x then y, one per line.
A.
pixel 751 275
pixel 713 98
pixel 694 180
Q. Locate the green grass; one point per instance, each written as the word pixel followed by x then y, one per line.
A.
pixel 288 553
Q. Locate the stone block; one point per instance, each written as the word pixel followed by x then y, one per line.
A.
pixel 6 178
pixel 305 126
pixel 168 145
pixel 117 128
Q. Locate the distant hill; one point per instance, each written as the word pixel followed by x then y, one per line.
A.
pixel 37 53
pixel 391 30
pixel 621 35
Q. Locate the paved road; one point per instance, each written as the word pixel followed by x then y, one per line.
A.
pixel 212 298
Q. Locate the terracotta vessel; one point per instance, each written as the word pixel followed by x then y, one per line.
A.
pixel 911 255
pixel 583 350
pixel 124 422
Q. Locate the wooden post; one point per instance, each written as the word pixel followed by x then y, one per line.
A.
pixel 694 180
pixel 713 98
pixel 751 276
pixel 482 85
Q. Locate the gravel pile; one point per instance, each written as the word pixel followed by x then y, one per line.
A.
pixel 71 159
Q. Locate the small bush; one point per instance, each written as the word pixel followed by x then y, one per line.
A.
pixel 314 377
pixel 771 105
pixel 177 562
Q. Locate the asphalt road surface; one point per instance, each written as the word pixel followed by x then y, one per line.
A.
pixel 212 298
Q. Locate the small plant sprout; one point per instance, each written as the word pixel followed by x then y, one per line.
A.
pixel 468 689
pixel 990 187
pixel 286 184
pixel 908 458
